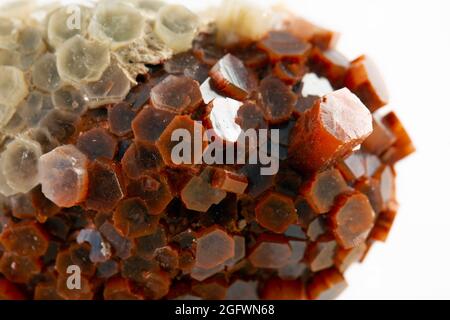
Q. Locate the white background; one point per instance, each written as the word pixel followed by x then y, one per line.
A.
pixel 410 42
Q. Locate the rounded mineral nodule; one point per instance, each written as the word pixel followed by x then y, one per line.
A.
pixel 171 156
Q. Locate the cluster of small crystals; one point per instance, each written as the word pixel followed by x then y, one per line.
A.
pixel 79 58
pixel 97 187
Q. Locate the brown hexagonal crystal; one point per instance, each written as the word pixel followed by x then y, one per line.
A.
pixel 352 219
pixel 270 253
pixel 133 219
pixel 323 188
pixel 230 76
pixel 97 143
pixel 141 159
pixel 364 79
pixel 166 144
pixel 25 239
pixel 283 45
pixel 105 187
pixel 276 212
pixel 277 100
pixel 166 95
pixel 150 123
pixel 329 130
pixel 214 247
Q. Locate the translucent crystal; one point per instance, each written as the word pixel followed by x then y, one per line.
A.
pixel 63 174
pixel 100 250
pixel 9 58
pixel 149 7
pixel 13 87
pixel 66 22
pixel 29 40
pixel 70 99
pixel 20 164
pixel 45 73
pixel 117 23
pixel 176 26
pixel 34 108
pixel 241 19
pixel 8 32
pixel 112 87
pixel 6 113
pixel 80 61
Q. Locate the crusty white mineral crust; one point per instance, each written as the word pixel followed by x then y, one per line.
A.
pixel 80 61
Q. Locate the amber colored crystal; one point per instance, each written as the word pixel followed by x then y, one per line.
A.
pixel 352 219
pixel 166 144
pixel 120 117
pixel 231 77
pixel 330 64
pixel 19 269
pixel 283 45
pixel 141 159
pixel 199 193
pixel 326 285
pixel 276 212
pixel 166 95
pixel 328 131
pixel 383 225
pixel 270 253
pixel 105 188
pixel 323 188
pixel 277 100
pixel 229 181
pixel 25 239
pixel 119 289
pixel 150 123
pixel 365 81
pixel 8 291
pixel 403 145
pixel 277 289
pixel 97 143
pixel 214 247
pixel 133 219
pixel 381 138
pixel 320 255
pixel 314 34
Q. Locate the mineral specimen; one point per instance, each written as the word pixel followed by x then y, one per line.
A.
pixel 93 175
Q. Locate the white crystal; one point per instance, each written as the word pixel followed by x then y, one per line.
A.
pixel 176 26
pixel 111 88
pixel 117 23
pixel 34 108
pixel 149 7
pixel 81 61
pixel 315 86
pixel 223 114
pixel 70 99
pixel 45 73
pixel 9 58
pixel 20 164
pixel 242 19
pixel 63 175
pixel 66 22
pixel 29 40
pixel 13 87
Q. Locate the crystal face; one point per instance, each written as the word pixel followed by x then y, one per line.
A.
pixel 90 121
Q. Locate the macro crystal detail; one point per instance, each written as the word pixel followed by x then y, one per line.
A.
pixel 120 153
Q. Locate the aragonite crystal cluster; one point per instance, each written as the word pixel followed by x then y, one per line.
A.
pixel 89 182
